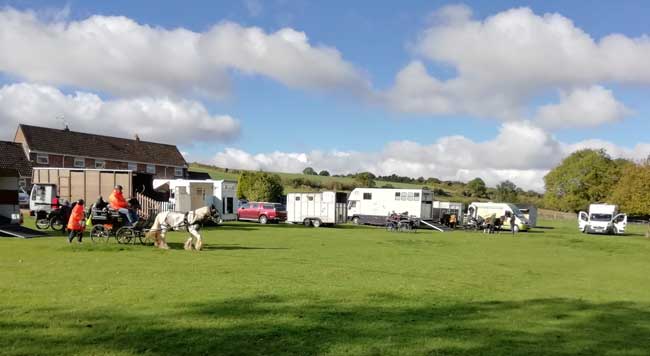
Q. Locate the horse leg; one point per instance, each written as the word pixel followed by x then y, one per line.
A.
pixel 199 240
pixel 189 243
pixel 163 242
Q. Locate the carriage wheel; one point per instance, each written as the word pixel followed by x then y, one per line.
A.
pixel 42 224
pixel 126 235
pixel 57 224
pixel 99 234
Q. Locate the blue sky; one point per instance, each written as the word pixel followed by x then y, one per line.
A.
pixel 379 39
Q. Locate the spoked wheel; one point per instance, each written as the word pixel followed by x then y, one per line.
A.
pixel 127 235
pixel 99 234
pixel 42 224
pixel 57 224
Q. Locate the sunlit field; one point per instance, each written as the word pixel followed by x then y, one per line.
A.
pixel 282 289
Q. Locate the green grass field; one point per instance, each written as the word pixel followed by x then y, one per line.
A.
pixel 279 289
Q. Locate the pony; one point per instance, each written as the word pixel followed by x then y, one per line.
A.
pixel 191 220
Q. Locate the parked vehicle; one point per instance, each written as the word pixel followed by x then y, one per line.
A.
pixel 316 209
pixel 501 211
pixel 530 213
pixel 602 219
pixel 190 194
pixel 88 184
pixel 9 208
pixel 262 212
pixel 23 197
pixel 372 205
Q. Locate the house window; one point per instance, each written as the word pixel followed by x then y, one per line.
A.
pixel 396 195
pixel 151 169
pixel 132 166
pixel 42 158
pixel 79 162
pixel 367 196
pixel 178 172
pixel 297 198
pixel 99 164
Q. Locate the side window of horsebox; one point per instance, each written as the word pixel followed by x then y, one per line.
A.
pixel 367 196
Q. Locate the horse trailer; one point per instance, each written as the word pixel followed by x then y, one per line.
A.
pixel 499 210
pixel 189 194
pixel 372 205
pixel 316 209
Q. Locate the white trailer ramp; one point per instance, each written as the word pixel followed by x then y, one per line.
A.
pixel 435 226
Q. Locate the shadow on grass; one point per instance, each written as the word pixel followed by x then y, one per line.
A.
pixel 383 324
pixel 213 247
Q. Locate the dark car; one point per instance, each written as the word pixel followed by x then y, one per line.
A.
pixel 262 212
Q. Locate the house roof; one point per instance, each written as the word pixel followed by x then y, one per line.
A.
pixel 12 156
pixel 71 143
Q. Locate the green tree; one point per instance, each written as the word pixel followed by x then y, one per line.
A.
pixel 477 187
pixel 260 186
pixel 324 173
pixel 309 171
pixel 506 192
pixel 365 179
pixel 584 177
pixel 632 192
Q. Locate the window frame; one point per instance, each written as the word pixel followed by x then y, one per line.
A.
pixel 367 196
pixel 177 170
pixel 130 165
pixel 79 159
pixel 42 156
pixel 151 171
pixel 97 164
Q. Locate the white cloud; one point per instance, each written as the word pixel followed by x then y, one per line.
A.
pixel 153 119
pixel 521 152
pixel 115 54
pixel 581 108
pixel 505 61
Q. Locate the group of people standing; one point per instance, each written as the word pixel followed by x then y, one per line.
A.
pixel 116 201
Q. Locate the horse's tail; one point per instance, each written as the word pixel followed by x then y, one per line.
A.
pixel 154 232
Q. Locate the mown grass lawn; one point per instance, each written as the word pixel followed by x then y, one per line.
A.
pixel 259 290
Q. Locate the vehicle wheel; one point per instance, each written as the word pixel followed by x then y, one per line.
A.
pixel 126 235
pixel 355 220
pixel 307 222
pixel 515 228
pixel 315 223
pixel 99 234
pixel 57 224
pixel 263 219
pixel 42 224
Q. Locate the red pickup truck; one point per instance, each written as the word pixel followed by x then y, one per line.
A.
pixel 262 212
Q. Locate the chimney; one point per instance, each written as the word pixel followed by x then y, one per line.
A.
pixel 137 138
pixel 66 129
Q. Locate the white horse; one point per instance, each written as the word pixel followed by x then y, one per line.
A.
pixel 192 220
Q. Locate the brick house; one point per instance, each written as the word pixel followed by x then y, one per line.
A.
pixel 63 148
pixel 12 156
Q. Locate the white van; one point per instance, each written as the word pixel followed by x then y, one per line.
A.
pixel 499 210
pixel 602 219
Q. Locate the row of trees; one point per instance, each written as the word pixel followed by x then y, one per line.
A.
pixel 589 176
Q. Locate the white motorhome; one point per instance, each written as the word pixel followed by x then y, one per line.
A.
pixel 602 219
pixel 373 205
pixel 316 209
pixel 499 210
pixel 188 194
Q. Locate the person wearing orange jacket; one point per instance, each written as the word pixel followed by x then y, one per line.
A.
pixel 117 202
pixel 77 222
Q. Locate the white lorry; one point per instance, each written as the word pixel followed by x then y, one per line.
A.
pixel 602 219
pixel 316 209
pixel 189 194
pixel 499 210
pixel 372 205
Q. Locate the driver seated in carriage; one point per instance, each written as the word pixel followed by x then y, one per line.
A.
pixel 117 202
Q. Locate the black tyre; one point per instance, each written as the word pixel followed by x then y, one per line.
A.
pixel 42 224
pixel 57 224
pixel 126 235
pixel 355 220
pixel 99 234
pixel 307 222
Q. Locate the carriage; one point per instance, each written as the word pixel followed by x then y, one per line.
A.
pixel 108 223
pixel 402 222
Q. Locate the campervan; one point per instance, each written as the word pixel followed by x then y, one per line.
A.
pixel 372 205
pixel 316 209
pixel 189 194
pixel 499 210
pixel 602 219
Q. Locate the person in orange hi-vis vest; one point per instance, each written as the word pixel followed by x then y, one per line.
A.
pixel 77 222
pixel 117 202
